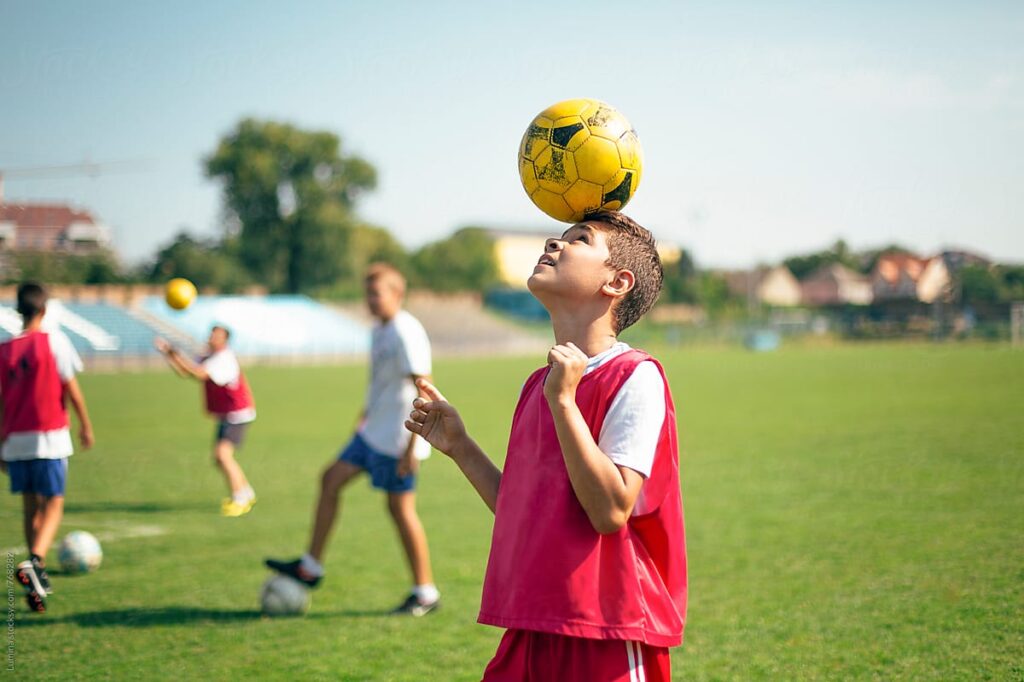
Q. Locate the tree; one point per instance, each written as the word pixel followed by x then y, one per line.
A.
pixel 802 266
pixel 463 262
pixel 207 263
pixel 681 280
pixel 294 194
pixel 98 267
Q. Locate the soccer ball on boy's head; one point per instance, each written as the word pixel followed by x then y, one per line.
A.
pixel 578 157
pixel 180 293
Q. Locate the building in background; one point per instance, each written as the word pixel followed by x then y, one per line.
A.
pixel 55 228
pixel 774 286
pixel 836 285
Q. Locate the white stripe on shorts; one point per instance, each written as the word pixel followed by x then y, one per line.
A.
pixel 636 662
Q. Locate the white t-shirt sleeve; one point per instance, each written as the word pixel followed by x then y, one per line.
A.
pixel 632 426
pixel 64 354
pixel 222 368
pixel 415 346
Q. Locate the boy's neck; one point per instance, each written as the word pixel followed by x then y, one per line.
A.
pixel 592 336
pixel 33 325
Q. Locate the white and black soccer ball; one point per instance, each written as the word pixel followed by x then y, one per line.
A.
pixel 284 596
pixel 79 552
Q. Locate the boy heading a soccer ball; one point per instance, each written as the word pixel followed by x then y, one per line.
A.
pixel 587 569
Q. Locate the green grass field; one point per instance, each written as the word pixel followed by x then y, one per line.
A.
pixel 852 513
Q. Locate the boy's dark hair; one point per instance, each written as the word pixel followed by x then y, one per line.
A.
pixel 227 332
pixel 31 300
pixel 631 247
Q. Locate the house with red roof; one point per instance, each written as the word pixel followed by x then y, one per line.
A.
pixel 904 276
pixel 50 227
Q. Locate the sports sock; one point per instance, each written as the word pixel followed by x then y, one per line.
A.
pixel 427 594
pixel 244 495
pixel 311 566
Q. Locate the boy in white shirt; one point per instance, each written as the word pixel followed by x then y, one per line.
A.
pixel 230 402
pixel 381 446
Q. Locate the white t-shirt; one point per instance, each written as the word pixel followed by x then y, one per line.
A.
pixel 223 369
pixel 48 444
pixel 399 348
pixel 632 425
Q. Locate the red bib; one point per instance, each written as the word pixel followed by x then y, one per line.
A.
pixel 221 400
pixel 549 570
pixel 31 388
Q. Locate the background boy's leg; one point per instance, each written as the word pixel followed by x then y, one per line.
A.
pixel 29 518
pixel 334 478
pixel 224 457
pixel 414 539
pixel 49 511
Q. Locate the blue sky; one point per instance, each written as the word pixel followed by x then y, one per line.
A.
pixel 768 128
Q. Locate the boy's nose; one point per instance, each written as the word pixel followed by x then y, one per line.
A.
pixel 553 245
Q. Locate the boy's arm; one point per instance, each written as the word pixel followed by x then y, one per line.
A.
pixel 440 425
pixel 85 434
pixel 606 491
pixel 182 365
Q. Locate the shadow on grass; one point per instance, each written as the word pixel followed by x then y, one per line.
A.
pixel 135 507
pixel 175 615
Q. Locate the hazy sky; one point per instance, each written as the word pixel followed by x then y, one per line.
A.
pixel 768 128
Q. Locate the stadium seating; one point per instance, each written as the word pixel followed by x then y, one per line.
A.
pixel 268 325
pixel 283 326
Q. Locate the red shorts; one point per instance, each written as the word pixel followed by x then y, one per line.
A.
pixel 525 656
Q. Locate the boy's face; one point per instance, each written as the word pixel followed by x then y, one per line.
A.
pixel 218 339
pixel 383 298
pixel 574 265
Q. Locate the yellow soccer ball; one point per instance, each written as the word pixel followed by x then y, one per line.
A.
pixel 180 293
pixel 580 156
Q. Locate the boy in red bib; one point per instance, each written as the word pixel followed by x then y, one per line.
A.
pixel 37 375
pixel 587 569
pixel 229 401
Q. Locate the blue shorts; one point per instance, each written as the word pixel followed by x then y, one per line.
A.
pixel 44 477
pixel 383 470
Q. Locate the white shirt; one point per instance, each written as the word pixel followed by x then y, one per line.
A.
pixel 54 444
pixel 223 369
pixel 632 425
pixel 399 348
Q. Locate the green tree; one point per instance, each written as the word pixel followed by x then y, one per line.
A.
pixel 802 266
pixel 294 194
pixel 681 280
pixel 206 262
pixel 463 262
pixel 99 267
pixel 979 285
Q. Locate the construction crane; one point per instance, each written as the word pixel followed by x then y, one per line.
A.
pixel 87 168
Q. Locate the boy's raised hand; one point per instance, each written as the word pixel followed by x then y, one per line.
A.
pixel 435 419
pixel 568 363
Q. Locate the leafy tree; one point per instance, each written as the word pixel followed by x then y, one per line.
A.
pixel 681 280
pixel 99 267
pixel 979 285
pixel 802 266
pixel 206 262
pixel 294 194
pixel 463 262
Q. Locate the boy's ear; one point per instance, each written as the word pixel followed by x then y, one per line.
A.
pixel 621 284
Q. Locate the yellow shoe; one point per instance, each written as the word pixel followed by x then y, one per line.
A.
pixel 231 508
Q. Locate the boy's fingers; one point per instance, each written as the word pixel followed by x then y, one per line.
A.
pixel 430 390
pixel 413 426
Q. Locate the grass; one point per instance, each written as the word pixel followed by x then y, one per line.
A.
pixel 854 512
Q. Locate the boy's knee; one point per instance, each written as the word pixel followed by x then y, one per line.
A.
pixel 332 479
pixel 401 506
